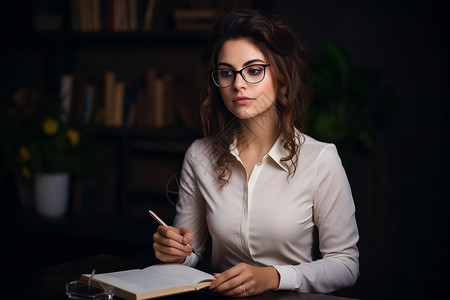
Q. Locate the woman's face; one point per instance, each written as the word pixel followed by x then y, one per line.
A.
pixel 247 100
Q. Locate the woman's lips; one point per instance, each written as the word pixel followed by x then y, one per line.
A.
pixel 242 100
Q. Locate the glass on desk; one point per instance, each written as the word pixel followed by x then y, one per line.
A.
pixel 80 290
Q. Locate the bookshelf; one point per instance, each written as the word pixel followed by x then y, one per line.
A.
pixel 142 157
pixel 142 160
pixel 137 151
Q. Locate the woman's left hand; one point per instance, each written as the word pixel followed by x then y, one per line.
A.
pixel 244 280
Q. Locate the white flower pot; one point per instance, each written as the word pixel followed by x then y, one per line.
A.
pixel 51 194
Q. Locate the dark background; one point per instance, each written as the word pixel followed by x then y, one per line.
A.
pixel 399 188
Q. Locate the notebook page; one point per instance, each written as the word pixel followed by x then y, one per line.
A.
pixel 183 274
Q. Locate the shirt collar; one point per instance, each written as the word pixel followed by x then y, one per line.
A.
pixel 276 153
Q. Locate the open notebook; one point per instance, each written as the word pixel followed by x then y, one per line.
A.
pixel 153 281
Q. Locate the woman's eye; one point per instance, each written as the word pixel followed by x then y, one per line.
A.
pixel 253 71
pixel 226 73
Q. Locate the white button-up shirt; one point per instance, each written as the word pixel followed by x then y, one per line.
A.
pixel 269 218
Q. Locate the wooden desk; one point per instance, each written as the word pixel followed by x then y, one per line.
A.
pixel 50 283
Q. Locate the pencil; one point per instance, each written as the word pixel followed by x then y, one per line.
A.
pixel 161 222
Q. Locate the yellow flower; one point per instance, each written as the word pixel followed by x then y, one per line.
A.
pixel 50 126
pixel 24 154
pixel 26 172
pixel 74 136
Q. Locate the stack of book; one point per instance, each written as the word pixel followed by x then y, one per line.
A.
pixel 118 104
pixel 195 19
pixel 112 15
pixel 150 106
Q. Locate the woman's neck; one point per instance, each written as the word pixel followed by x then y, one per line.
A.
pixel 258 133
pixel 255 140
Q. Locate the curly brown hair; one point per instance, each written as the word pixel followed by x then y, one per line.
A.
pixel 287 58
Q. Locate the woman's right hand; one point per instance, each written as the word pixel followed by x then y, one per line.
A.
pixel 170 244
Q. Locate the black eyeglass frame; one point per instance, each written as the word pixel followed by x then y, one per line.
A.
pixel 240 72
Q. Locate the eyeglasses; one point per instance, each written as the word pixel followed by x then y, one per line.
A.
pixel 251 74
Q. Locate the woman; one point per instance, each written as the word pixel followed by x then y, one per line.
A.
pixel 256 184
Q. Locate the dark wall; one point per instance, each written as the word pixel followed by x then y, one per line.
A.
pixel 400 188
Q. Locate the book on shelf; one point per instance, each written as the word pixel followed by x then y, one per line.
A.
pixel 86 15
pixel 169 100
pixel 139 111
pixel 148 103
pixel 111 15
pixel 152 282
pixel 109 83
pixel 148 16
pixel 159 103
pixel 78 99
pixel 66 94
pixel 118 102
pixel 88 103
pixel 161 98
pixel 195 19
pixel 129 106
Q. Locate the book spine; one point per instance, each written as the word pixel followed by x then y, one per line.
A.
pixel 133 13
pixel 111 15
pixel 150 98
pixel 149 13
pixel 96 15
pixel 129 101
pixel 110 79
pixel 88 104
pixel 118 104
pixel 66 94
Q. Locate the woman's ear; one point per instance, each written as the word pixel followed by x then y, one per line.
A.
pixel 284 90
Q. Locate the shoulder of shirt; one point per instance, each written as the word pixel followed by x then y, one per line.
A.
pixel 308 143
pixel 308 140
pixel 326 154
pixel 202 142
pixel 199 146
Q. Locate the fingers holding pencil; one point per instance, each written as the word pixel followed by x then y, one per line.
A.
pixel 171 244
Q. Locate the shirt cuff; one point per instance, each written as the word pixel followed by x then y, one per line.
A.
pixel 191 260
pixel 288 278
